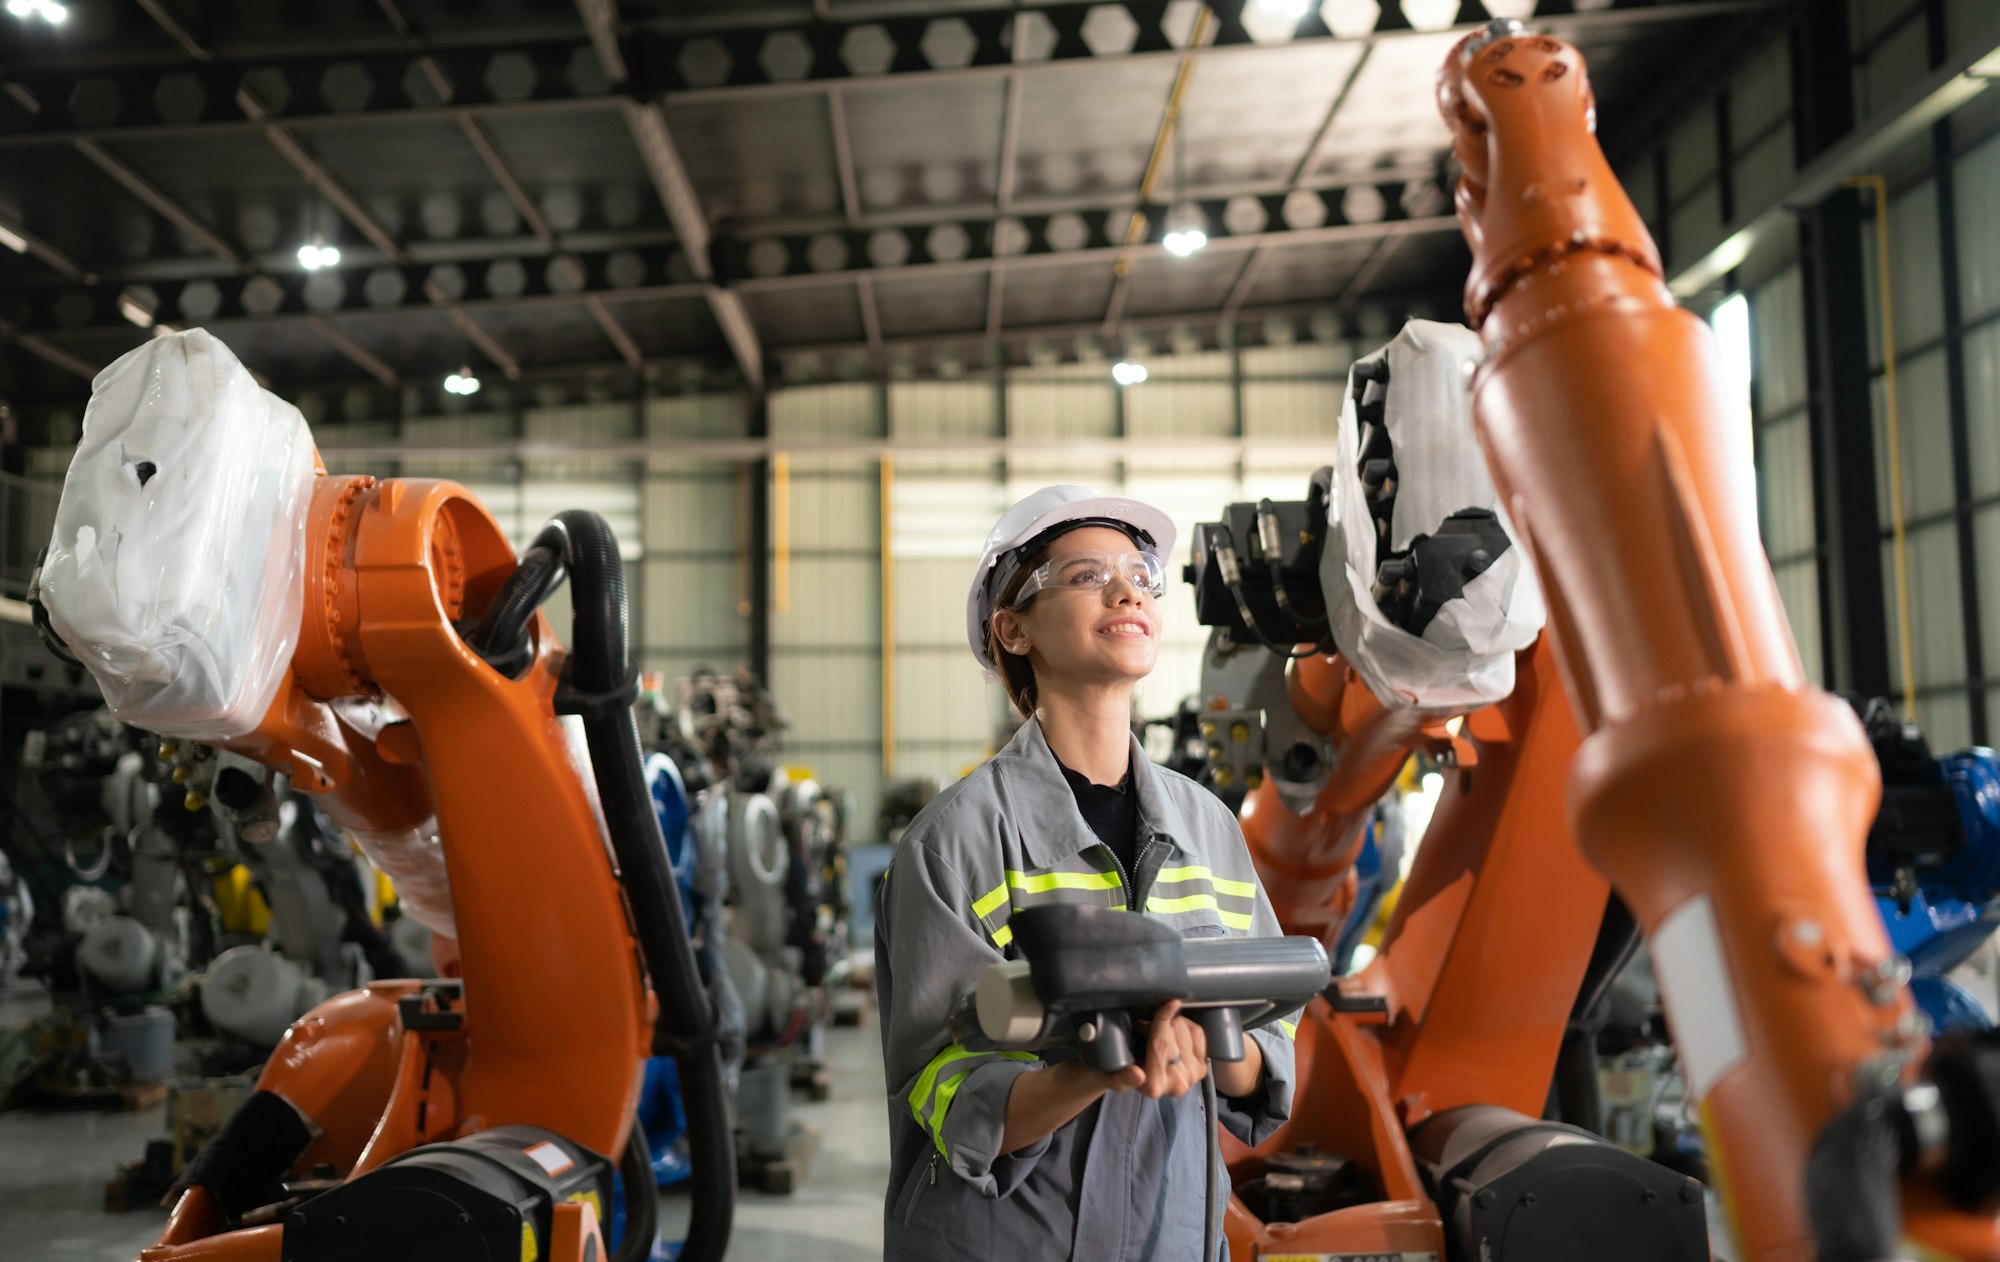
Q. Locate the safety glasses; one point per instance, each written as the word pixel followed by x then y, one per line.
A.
pixel 1093 571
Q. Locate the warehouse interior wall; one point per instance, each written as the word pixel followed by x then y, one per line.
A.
pixel 899 480
pixel 1733 148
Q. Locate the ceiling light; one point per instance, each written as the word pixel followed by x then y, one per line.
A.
pixel 462 382
pixel 47 10
pixel 1431 15
pixel 1184 243
pixel 317 255
pixel 13 240
pixel 1127 373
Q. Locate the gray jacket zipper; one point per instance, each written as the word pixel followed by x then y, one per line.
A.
pixel 1139 865
pixel 917 1190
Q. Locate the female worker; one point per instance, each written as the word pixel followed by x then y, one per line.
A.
pixel 1004 1156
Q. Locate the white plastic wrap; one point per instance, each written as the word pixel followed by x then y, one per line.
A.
pixel 1466 654
pixel 413 860
pixel 174 570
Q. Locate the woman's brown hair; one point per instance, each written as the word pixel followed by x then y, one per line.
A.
pixel 1017 673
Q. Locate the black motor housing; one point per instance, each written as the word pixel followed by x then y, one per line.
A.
pixel 1514 1189
pixel 489 1197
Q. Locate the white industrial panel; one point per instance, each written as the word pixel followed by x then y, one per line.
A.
pixel 1924 417
pixel 846 410
pixel 1763 173
pixel 1761 90
pixel 833 697
pixel 1785 486
pixel 1292 409
pixel 1691 150
pixel 475 428
pixel 1937 624
pixel 1798 589
pixel 1946 718
pixel 580 424
pixel 1307 359
pixel 930 601
pixel 944 409
pixel 1982 399
pixel 1778 342
pixel 578 429
pixel 698 416
pixel 692 514
pixel 944 516
pixel 1175 462
pixel 835 511
pixel 834 601
pixel 941 696
pixel 691 605
pixel 1915 264
pixel 1196 366
pixel 1986 547
pixel 1642 186
pixel 1167 410
pixel 1892 66
pixel 1694 227
pixel 1976 186
pixel 1057 404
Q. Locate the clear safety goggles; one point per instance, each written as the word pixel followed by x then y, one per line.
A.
pixel 1093 571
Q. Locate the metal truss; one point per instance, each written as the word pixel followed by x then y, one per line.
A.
pixel 398 81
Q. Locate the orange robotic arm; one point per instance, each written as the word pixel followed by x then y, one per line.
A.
pixel 413 597
pixel 1726 799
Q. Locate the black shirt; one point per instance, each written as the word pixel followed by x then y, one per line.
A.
pixel 1112 811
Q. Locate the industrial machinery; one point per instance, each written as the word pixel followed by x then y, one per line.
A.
pixel 377 642
pixel 1934 860
pixel 1657 737
pixel 782 880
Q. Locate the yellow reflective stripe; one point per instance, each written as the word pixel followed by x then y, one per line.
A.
pixel 1194 872
pixel 1043 882
pixel 921 1094
pixel 1003 935
pixel 993 898
pixel 949 1088
pixel 1291 1031
pixel 1198 902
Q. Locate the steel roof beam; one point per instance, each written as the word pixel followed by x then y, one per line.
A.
pixel 656 63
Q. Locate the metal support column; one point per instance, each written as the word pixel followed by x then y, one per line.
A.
pixel 1853 628
pixel 760 545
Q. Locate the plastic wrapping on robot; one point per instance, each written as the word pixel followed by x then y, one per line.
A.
pixel 413 860
pixel 1466 654
pixel 174 570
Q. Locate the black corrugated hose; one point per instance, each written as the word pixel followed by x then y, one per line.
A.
pixel 599 685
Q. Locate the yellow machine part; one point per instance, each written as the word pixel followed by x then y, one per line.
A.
pixel 244 911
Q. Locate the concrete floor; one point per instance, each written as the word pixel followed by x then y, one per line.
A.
pixel 53 1166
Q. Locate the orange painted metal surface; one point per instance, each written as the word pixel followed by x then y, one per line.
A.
pixel 555 1009
pixel 1714 786
pixel 1496 879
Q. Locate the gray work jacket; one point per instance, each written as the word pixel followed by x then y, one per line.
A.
pixel 1124 1180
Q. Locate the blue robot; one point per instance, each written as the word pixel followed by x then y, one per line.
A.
pixel 1934 860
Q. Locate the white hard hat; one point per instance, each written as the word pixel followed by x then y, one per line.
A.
pixel 1045 510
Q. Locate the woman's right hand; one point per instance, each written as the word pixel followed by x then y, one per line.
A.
pixel 1176 1058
